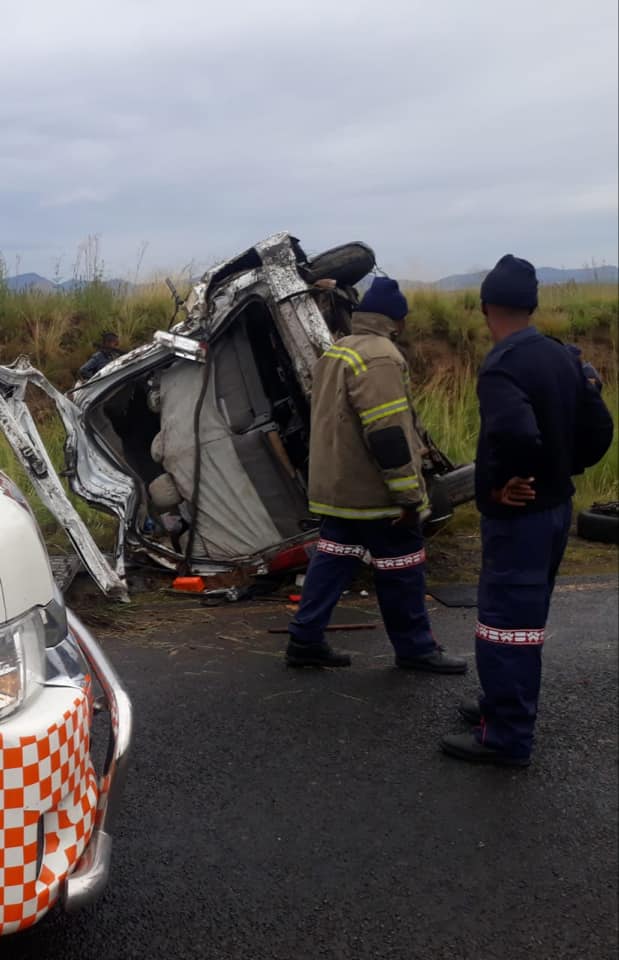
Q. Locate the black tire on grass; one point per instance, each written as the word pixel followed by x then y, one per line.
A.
pixel 600 522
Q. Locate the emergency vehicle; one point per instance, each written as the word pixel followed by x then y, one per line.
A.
pixel 56 807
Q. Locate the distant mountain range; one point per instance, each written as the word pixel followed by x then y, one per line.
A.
pixel 546 275
pixel 456 281
pixel 34 281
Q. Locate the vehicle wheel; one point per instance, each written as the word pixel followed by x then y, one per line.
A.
pixel 440 505
pixel 600 522
pixel 347 265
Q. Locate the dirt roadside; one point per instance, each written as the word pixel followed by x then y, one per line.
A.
pixel 453 558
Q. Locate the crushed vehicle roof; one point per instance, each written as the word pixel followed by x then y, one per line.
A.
pixel 198 441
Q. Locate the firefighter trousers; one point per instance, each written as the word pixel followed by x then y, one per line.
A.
pixel 397 556
pixel 521 554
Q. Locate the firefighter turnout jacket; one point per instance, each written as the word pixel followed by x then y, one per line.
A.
pixel 365 448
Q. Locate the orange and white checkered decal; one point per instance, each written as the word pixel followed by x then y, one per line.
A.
pixel 47 777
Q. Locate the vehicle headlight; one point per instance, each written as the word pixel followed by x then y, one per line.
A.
pixel 22 659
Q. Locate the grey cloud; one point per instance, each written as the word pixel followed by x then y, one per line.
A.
pixel 442 134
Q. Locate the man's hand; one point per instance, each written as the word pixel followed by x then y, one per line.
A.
pixel 517 492
pixel 592 375
pixel 409 518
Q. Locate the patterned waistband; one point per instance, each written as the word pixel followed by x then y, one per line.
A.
pixel 340 549
pixel 400 563
pixel 516 636
pixel 381 563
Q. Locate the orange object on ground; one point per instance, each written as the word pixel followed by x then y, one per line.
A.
pixel 189 584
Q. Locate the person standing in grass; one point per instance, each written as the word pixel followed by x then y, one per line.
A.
pixel 542 421
pixel 108 351
pixel 366 483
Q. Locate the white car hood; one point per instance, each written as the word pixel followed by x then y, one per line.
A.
pixel 25 576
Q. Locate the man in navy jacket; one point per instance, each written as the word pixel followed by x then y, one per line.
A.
pixel 542 421
pixel 107 352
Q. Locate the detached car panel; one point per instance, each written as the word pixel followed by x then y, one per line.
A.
pixel 55 812
pixel 198 442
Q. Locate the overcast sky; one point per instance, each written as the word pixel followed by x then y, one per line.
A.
pixel 444 132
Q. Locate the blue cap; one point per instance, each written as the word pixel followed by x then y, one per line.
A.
pixel 384 297
pixel 512 283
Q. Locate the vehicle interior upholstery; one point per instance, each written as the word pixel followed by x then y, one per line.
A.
pixel 264 414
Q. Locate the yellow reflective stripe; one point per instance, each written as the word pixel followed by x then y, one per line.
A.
pixel 346 513
pixel 349 356
pixel 400 405
pixel 382 406
pixel 404 483
pixel 338 356
pixel 404 408
pixel 353 354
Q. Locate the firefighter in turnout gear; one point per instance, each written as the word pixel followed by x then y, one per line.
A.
pixel 542 421
pixel 366 483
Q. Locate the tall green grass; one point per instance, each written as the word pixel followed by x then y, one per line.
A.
pixel 59 331
pixel 101 526
pixel 447 404
pixel 575 313
pixel 447 340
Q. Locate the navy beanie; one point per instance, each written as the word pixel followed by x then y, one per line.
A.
pixel 512 283
pixel 384 297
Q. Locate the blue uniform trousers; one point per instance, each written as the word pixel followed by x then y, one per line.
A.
pixel 521 554
pixel 398 561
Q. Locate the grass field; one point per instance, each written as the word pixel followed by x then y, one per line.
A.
pixel 447 339
pixel 446 334
pixel 569 311
pixel 101 526
pixel 447 404
pixel 60 330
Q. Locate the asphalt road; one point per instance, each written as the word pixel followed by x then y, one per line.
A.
pixel 273 814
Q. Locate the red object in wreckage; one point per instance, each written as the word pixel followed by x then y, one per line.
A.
pixel 189 584
pixel 292 558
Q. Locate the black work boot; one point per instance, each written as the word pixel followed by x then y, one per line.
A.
pixel 469 711
pixel 435 662
pixel 314 655
pixel 465 746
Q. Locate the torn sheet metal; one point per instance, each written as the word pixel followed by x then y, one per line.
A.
pixel 259 321
pixel 21 432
